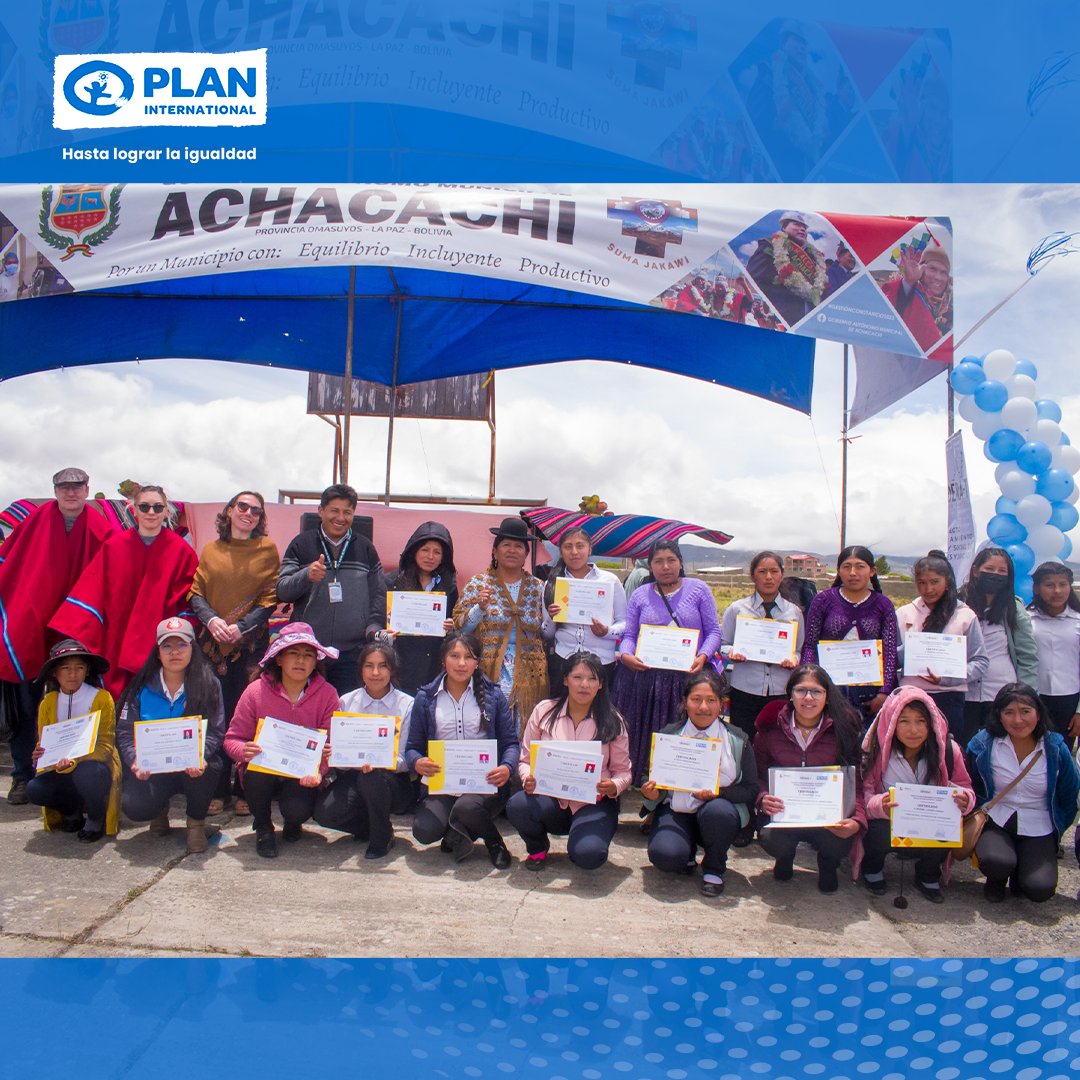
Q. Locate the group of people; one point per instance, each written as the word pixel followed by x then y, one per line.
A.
pixel 148 631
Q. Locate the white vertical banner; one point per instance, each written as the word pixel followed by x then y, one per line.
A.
pixel 961 548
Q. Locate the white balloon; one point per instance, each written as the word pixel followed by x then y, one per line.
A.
pixel 1033 510
pixel 1067 458
pixel 999 364
pixel 1002 470
pixel 1019 414
pixel 1016 484
pixel 968 409
pixel 986 425
pixel 1044 431
pixel 1046 541
pixel 1020 386
pixel 1073 495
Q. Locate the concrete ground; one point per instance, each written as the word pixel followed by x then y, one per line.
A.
pixel 143 896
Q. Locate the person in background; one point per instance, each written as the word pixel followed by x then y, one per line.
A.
pixel 856 608
pixel 637 577
pixel 504 607
pixel 1018 848
pixel 334 580
pixel 138 578
pixel 233 596
pixel 939 610
pixel 39 563
pixel 799 591
pixel 568 638
pixel 1055 622
pixel 426 565
pixel 175 681
pixel 81 796
pixel 1008 639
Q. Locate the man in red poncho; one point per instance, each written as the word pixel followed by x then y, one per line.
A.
pixel 922 294
pixel 139 577
pixel 39 563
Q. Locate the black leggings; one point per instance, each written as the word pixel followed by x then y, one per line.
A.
pixel 745 708
pixel 472 815
pixel 588 833
pixel 295 801
pixel 675 836
pixel 83 790
pixel 781 843
pixel 1031 861
pixel 143 800
pixel 877 843
pixel 361 803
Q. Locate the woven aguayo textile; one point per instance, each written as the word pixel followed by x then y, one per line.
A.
pixel 627 536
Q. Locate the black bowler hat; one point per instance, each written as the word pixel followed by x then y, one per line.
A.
pixel 70 649
pixel 513 528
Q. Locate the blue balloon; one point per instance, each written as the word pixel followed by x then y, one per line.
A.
pixel 991 396
pixel 1024 589
pixel 1005 529
pixel 1026 367
pixel 976 360
pixel 1064 440
pixel 989 454
pixel 1055 484
pixel 1066 551
pixel 1046 409
pixel 1023 558
pixel 1005 505
pixel 1034 458
pixel 1005 444
pixel 1064 516
pixel 967 378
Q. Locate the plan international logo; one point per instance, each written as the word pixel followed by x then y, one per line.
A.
pixel 160 90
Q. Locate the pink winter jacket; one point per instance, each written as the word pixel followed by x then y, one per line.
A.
pixel 884 726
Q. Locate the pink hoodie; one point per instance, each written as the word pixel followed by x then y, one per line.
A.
pixel 874 789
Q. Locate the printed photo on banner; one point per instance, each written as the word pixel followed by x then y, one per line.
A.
pixel 26 271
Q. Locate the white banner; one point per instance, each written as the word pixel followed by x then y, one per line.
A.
pixel 961 548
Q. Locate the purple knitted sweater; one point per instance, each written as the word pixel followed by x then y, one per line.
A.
pixel 693 605
pixel 831 617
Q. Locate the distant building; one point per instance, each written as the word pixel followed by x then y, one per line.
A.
pixel 803 566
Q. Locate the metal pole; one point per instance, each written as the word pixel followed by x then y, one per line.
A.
pixel 843 458
pixel 951 400
pixel 393 401
pixel 347 427
pixel 491 424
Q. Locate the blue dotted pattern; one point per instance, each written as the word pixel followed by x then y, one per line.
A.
pixel 560 1020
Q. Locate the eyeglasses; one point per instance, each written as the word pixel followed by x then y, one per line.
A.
pixel 150 508
pixel 245 508
pixel 808 691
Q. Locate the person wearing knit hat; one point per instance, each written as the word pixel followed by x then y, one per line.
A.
pixel 921 292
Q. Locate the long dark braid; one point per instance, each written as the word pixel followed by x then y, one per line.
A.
pixel 472 643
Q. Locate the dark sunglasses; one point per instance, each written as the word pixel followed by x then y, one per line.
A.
pixel 245 508
pixel 150 508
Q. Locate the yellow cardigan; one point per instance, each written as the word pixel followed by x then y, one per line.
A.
pixel 104 750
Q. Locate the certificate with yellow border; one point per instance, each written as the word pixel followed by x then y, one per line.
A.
pixel 925 816
pixel 171 745
pixel 68 739
pixel 288 750
pixel 358 739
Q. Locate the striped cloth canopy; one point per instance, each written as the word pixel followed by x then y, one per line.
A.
pixel 627 536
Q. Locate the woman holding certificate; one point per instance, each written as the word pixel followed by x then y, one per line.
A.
pixel 1055 620
pixel 504 607
pixel 575 743
pixel 360 799
pixel 277 735
pixel 176 683
pixel 425 566
pixel 940 611
pixel 585 617
pixel 1028 782
pixel 1008 639
pixel 804 740
pixel 463 739
pixel 671 630
pixel 909 744
pixel 761 636
pixel 854 609
pixel 710 816
pixel 80 796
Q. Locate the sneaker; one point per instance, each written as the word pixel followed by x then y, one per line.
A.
pixel 934 895
pixel 994 891
pixel 537 861
pixel 498 853
pixel 827 880
pixel 712 888
pixel 784 870
pixel 878 888
pixel 379 852
pixel 265 844
pixel 16 795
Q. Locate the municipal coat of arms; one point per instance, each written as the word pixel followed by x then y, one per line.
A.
pixel 78 217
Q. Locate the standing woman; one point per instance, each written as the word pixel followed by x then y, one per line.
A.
pixel 78 796
pixel 908 743
pixel 426 565
pixel 565 639
pixel 139 577
pixel 856 608
pixel 1008 639
pixel 754 684
pixel 939 610
pixel 233 595
pixel 648 697
pixel 504 607
pixel 1055 620
pixel 175 681
pixel 581 713
pixel 684 819
pixel 462 703
pixel 815 728
pixel 1019 843
pixel 292 689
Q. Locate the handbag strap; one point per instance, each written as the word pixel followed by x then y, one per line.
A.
pixel 667 604
pixel 1012 783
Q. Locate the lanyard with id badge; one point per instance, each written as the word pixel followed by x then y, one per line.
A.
pixel 333 588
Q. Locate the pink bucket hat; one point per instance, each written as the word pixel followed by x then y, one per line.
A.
pixel 297 633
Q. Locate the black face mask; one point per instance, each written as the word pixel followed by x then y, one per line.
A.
pixel 992 583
